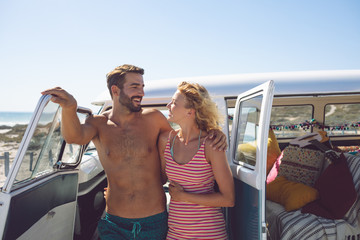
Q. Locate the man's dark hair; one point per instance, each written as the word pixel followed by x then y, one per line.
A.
pixel 117 76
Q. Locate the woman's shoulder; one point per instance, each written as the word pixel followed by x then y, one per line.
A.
pixel 209 149
pixel 207 144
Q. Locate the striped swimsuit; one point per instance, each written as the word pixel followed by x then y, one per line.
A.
pixel 189 220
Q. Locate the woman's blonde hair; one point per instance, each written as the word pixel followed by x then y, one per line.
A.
pixel 197 97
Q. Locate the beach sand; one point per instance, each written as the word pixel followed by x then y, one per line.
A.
pixel 2 131
pixel 9 146
pixel 10 142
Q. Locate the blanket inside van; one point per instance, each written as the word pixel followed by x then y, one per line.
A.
pixel 297 225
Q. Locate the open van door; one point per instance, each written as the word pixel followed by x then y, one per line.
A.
pixel 248 153
pixel 38 197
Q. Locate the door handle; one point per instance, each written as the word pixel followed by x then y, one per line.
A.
pixel 51 214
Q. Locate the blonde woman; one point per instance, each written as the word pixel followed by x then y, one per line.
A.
pixel 192 166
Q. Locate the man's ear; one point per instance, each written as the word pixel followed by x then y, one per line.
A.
pixel 115 90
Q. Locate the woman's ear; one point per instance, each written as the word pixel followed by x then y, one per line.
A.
pixel 191 112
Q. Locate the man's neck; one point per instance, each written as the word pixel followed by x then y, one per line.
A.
pixel 121 115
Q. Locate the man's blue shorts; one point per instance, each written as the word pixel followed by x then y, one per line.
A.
pixel 114 227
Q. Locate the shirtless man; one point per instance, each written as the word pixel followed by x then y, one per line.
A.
pixel 126 140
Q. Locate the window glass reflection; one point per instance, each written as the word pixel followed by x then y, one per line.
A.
pixel 247 131
pixel 42 152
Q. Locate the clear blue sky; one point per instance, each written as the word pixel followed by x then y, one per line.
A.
pixel 73 44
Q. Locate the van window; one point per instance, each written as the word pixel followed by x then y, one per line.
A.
pixel 291 121
pixel 342 119
pixel 43 149
pixel 247 130
pixel 230 117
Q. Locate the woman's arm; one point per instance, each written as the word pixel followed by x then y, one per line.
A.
pixel 224 198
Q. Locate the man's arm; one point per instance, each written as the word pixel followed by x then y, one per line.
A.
pixel 217 138
pixel 164 130
pixel 162 122
pixel 162 141
pixel 71 128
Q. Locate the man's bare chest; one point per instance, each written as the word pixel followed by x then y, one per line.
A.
pixel 131 142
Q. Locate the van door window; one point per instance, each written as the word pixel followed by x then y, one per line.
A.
pixel 248 124
pixel 44 146
pixel 43 151
pixel 231 112
pixel 290 121
pixel 342 119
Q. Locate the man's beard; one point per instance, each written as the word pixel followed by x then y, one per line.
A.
pixel 127 102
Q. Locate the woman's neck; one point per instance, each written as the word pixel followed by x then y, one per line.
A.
pixel 188 133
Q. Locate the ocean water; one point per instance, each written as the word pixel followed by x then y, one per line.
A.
pixel 13 118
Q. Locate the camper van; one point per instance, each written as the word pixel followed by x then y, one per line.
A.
pixel 289 134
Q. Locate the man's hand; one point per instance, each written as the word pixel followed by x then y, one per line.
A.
pixel 218 140
pixel 71 128
pixel 62 97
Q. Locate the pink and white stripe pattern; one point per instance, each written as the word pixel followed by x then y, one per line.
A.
pixel 188 220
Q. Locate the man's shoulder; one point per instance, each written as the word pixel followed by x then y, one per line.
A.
pixel 149 111
pixel 152 113
pixel 156 118
pixel 97 119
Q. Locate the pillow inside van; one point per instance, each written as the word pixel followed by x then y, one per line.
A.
pixel 273 151
pixel 301 164
pixel 292 195
pixel 336 190
pixel 248 151
pixel 274 170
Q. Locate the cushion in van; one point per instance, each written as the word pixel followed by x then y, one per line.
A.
pixel 273 151
pixel 248 151
pixel 292 195
pixel 274 170
pixel 336 190
pixel 353 150
pixel 301 164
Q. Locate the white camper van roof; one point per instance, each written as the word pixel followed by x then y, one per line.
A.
pixel 231 85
